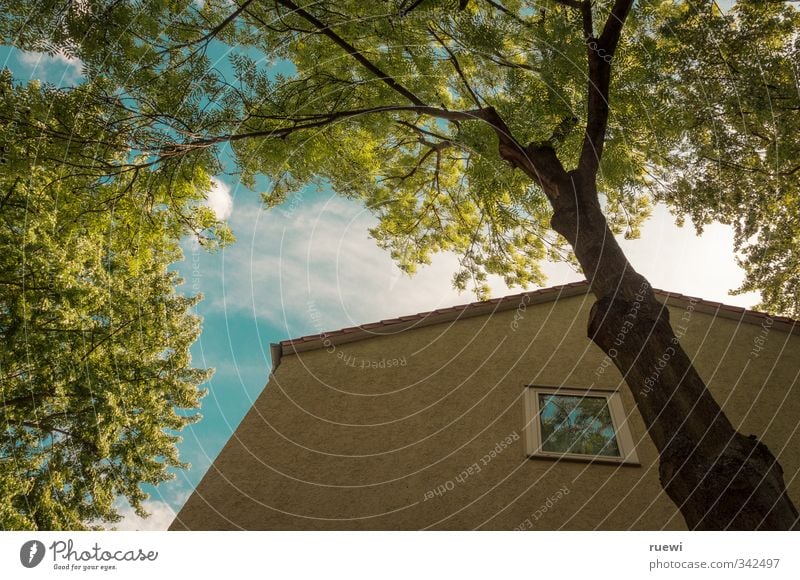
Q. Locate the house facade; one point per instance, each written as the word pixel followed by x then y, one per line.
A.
pixel 492 415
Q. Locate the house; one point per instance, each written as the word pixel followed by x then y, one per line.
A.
pixel 492 415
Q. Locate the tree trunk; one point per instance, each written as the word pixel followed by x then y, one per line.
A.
pixel 718 478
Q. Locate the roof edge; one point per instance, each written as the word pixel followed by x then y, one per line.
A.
pixel 394 325
pixel 275 353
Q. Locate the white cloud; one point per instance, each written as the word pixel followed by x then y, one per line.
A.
pixel 313 267
pixel 161 516
pixel 219 199
pixel 58 67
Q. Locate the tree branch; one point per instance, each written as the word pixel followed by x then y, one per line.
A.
pixel 456 66
pixel 571 3
pixel 29 398
pixel 507 12
pixel 9 192
pixel 586 18
pixel 539 162
pixel 108 337
pixel 404 10
pixel 316 121
pixel 421 131
pixel 214 31
pixel 352 51
pixel 612 29
pixel 38 426
pixel 600 53
pixel 436 148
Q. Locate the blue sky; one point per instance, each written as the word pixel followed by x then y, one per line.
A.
pixel 313 254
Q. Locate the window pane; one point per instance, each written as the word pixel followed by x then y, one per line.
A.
pixel 575 424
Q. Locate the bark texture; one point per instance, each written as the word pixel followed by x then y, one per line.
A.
pixel 719 479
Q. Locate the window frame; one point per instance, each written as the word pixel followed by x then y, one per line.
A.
pixel 533 426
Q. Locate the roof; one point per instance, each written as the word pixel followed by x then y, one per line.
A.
pixel 553 293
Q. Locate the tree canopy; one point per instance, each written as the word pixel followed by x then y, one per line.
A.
pixel 95 374
pixel 387 103
pixel 737 162
pixel 397 104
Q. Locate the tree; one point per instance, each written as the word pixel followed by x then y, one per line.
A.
pixel 737 102
pixel 95 373
pixel 487 128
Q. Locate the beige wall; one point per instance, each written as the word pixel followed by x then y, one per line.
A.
pixel 331 445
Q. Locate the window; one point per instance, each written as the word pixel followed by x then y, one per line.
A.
pixel 577 424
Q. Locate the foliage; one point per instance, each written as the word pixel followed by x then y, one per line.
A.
pixel 737 105
pixel 435 184
pixel 95 373
pixel 382 100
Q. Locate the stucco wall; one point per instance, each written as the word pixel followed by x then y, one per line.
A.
pixel 335 442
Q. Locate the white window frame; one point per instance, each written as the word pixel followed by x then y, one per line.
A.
pixel 533 427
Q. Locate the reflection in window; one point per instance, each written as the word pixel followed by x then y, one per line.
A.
pixel 575 424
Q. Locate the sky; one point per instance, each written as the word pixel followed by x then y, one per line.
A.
pixel 309 266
